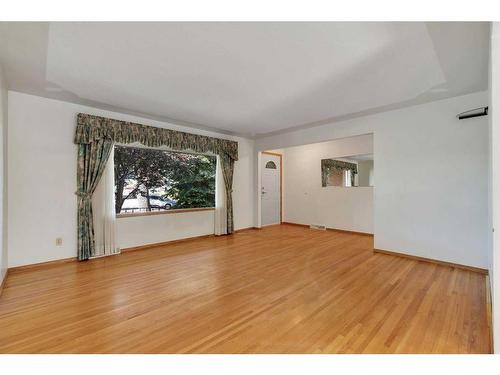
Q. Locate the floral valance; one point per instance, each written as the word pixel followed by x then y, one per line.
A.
pixel 91 128
pixel 339 164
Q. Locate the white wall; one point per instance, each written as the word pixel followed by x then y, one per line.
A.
pixel 42 182
pixel 141 230
pixel 3 195
pixel 307 202
pixel 494 116
pixel 430 195
pixel 365 173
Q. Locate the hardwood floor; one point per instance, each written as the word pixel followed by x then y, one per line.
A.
pixel 282 289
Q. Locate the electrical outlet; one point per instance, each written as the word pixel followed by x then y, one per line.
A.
pixel 58 241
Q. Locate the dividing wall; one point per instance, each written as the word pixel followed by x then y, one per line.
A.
pixel 3 183
pixel 494 118
pixel 431 177
pixel 306 202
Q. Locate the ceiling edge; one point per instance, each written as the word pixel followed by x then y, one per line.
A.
pixel 368 112
pixel 111 108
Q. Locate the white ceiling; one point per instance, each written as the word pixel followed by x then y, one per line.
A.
pixel 246 78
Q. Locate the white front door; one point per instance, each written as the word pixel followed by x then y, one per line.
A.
pixel 270 190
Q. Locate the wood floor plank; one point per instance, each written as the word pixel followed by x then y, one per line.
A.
pixel 282 289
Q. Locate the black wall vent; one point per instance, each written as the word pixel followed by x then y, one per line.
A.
pixel 476 112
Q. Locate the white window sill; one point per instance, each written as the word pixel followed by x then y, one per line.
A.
pixel 164 212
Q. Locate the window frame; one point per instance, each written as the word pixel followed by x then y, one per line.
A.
pixel 173 210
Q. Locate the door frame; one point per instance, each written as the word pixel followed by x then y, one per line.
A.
pixel 281 183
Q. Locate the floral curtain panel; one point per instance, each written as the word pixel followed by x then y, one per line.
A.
pixel 227 165
pixel 95 137
pixel 92 159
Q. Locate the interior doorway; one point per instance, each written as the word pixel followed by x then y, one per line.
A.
pixel 270 194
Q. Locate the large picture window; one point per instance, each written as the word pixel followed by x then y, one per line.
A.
pixel 148 180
